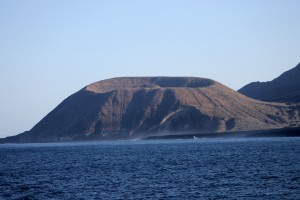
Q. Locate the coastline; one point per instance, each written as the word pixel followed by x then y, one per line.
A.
pixel 282 132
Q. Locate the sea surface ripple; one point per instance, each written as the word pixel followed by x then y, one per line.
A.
pixel 265 168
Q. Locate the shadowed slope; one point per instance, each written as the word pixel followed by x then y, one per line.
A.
pixel 285 88
pixel 123 108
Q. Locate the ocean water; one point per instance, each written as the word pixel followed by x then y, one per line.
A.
pixel 264 168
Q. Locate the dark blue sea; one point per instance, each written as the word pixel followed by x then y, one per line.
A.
pixel 264 168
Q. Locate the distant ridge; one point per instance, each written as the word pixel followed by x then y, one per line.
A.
pixel 285 88
pixel 139 107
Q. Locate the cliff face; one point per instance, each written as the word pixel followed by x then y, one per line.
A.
pixel 136 107
pixel 285 88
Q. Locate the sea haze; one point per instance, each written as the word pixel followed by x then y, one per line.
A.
pixel 264 168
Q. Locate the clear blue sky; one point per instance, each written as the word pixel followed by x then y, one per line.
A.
pixel 50 49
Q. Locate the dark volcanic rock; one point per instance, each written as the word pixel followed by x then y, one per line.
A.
pixel 285 88
pixel 124 108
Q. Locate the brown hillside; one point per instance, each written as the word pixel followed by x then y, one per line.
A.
pixel 122 108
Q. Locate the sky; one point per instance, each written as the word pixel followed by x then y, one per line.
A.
pixel 52 48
